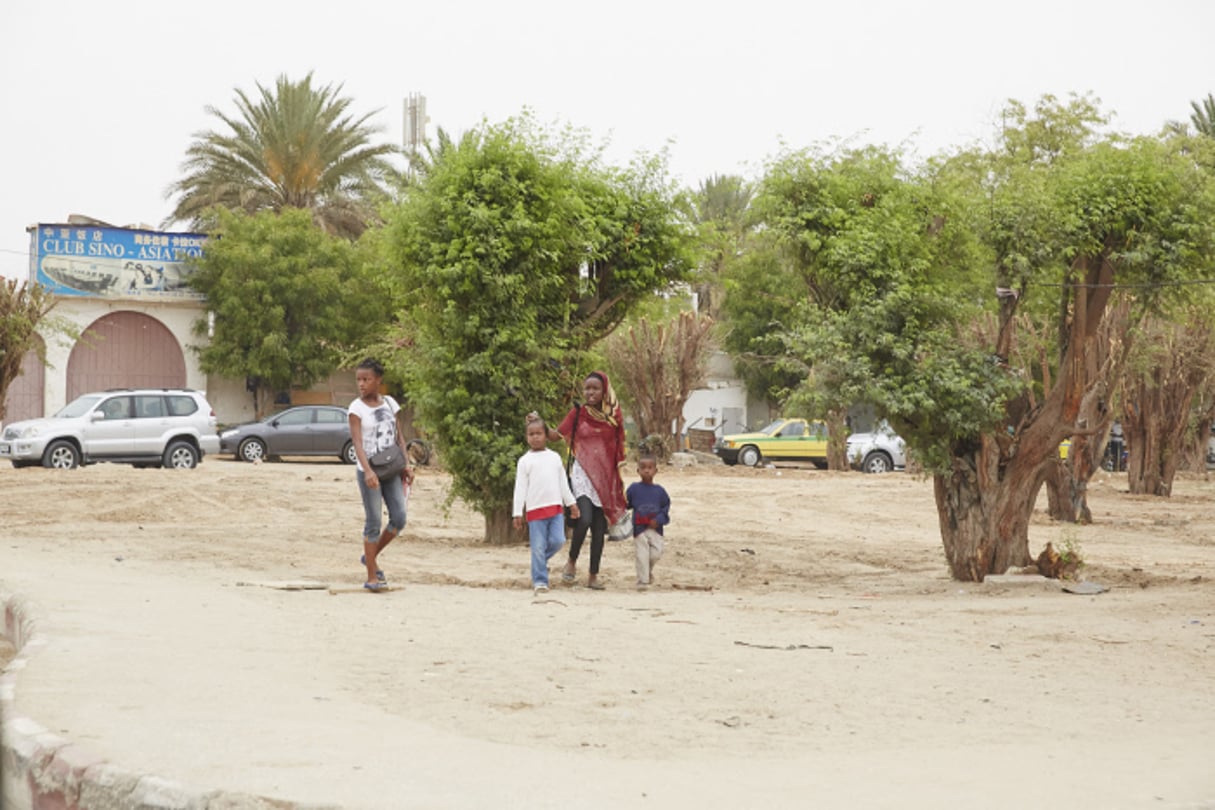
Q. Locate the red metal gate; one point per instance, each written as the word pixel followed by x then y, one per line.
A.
pixel 26 394
pixel 125 350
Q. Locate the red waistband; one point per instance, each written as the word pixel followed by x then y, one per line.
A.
pixel 544 512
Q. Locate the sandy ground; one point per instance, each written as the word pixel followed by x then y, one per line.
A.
pixel 804 647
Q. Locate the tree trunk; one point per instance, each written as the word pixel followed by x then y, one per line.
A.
pixel 1194 450
pixel 837 439
pixel 500 528
pixel 1154 452
pixel 985 502
pixel 1059 484
pixel 984 518
pixel 1197 443
pixel 262 396
pixel 1158 404
pixel 1067 479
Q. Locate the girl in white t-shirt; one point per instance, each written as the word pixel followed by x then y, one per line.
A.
pixel 542 492
pixel 373 427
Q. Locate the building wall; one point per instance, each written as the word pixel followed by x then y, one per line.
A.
pixel 722 404
pixel 177 316
pixel 720 407
pixel 233 404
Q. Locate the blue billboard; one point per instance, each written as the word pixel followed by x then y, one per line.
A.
pixel 113 262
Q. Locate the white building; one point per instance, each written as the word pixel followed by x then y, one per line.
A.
pixel 723 405
pixel 122 291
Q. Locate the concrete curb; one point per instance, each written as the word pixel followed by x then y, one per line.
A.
pixel 41 771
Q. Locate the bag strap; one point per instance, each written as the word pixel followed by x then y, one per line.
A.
pixel 569 460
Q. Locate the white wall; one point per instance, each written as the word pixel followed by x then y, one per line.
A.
pixel 722 390
pixel 232 403
pixel 705 406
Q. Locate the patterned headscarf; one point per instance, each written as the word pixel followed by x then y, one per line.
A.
pixel 609 409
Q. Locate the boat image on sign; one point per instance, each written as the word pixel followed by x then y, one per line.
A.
pixel 112 277
pixel 81 274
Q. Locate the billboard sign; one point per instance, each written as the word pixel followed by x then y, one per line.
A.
pixel 113 262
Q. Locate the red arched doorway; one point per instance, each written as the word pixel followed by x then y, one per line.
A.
pixel 25 398
pixel 125 350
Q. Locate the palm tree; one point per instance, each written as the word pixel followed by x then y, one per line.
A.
pixel 294 145
pixel 1203 118
pixel 724 199
pixel 719 209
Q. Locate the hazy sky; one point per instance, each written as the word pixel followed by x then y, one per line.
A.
pixel 100 99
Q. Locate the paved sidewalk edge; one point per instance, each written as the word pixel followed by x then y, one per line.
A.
pixel 42 771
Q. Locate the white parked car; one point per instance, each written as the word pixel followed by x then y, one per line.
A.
pixel 879 451
pixel 153 427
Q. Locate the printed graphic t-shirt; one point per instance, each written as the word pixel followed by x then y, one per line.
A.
pixel 379 424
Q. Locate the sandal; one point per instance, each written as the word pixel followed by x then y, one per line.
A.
pixel 594 584
pixel 567 573
pixel 378 573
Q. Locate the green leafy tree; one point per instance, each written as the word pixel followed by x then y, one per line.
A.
pixel 285 301
pixel 762 295
pixel 23 308
pixel 902 316
pixel 293 145
pixel 876 254
pixel 515 253
pixel 1053 129
pixel 1024 230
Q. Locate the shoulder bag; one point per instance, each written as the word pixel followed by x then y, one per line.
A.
pixel 388 462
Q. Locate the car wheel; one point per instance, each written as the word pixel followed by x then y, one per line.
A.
pixel 749 456
pixel 877 462
pixel 419 451
pixel 252 450
pixel 61 455
pixel 348 455
pixel 181 456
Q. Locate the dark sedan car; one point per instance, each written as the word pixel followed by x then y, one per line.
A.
pixel 307 430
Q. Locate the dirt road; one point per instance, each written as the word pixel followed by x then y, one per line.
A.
pixel 803 642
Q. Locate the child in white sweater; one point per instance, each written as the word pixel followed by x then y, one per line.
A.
pixel 542 490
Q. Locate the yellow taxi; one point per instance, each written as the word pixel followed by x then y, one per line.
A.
pixel 784 440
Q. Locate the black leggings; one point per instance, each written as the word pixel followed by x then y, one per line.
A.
pixel 590 517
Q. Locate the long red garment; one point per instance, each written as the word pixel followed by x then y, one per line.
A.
pixel 599 448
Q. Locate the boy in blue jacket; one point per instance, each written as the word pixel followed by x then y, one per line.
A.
pixel 651 511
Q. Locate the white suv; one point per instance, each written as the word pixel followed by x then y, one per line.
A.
pixel 878 451
pixel 173 427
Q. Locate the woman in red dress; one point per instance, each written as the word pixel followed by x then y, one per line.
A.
pixel 595 434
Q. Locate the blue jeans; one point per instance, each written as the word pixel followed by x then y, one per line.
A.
pixel 546 538
pixel 391 493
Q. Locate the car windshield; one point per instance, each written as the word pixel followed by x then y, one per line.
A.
pixel 772 428
pixel 78 406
